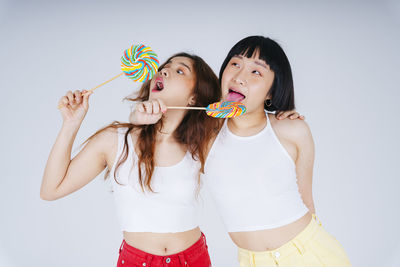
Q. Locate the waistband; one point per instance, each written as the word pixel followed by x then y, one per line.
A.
pixel 295 245
pixel 146 259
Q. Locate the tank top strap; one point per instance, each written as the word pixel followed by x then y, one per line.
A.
pixel 121 139
pixel 220 135
pixel 268 121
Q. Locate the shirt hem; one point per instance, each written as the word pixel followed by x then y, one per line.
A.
pixel 160 231
pixel 269 226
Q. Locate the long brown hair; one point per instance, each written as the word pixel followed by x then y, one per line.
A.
pixel 194 132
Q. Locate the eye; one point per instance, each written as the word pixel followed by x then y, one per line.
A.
pixel 235 64
pixel 179 71
pixel 256 72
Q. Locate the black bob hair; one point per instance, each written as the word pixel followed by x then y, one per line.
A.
pixel 281 91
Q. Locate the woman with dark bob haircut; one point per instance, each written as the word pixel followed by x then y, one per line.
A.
pixel 259 169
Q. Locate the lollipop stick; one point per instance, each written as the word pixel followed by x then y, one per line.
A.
pixel 198 108
pixel 115 77
pixel 94 88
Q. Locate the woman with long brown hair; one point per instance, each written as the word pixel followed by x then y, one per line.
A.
pixel 153 162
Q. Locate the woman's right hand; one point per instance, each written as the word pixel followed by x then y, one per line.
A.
pixel 74 106
pixel 147 112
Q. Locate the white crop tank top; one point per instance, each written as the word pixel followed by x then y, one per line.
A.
pixel 253 181
pixel 172 208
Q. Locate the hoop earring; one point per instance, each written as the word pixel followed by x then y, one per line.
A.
pixel 268 102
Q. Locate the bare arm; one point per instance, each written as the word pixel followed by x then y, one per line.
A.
pixel 305 165
pixel 295 136
pixel 62 175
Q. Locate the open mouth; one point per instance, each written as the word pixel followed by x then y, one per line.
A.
pixel 159 86
pixel 235 96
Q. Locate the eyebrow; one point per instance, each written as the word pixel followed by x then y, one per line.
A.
pixel 257 62
pixel 185 66
pixel 181 63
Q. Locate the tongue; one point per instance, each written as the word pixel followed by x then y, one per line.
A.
pixel 233 96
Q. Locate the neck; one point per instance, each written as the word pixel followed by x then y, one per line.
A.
pixel 171 121
pixel 248 124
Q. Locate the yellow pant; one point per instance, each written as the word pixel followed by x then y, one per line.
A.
pixel 312 247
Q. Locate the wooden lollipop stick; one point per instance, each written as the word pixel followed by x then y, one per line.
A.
pixel 198 108
pixel 94 88
pixel 115 77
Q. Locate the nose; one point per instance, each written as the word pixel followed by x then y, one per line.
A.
pixel 164 72
pixel 239 78
pixel 239 81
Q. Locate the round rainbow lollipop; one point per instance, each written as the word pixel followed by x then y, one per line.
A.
pixel 223 109
pixel 226 109
pixel 139 63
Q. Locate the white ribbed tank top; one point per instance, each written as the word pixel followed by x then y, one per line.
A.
pixel 173 208
pixel 253 181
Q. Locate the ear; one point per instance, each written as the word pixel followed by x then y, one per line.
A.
pixel 192 100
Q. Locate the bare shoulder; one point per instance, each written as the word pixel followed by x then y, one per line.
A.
pixel 106 142
pixel 291 130
pixel 106 138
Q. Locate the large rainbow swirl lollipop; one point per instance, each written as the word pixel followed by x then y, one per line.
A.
pixel 139 63
pixel 223 109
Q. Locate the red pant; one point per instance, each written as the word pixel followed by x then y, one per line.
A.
pixel 195 256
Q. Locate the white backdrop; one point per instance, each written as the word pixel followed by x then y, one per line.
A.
pixel 345 61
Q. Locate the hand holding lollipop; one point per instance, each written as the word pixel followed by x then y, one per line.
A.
pixel 147 112
pixel 74 106
pixel 138 63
